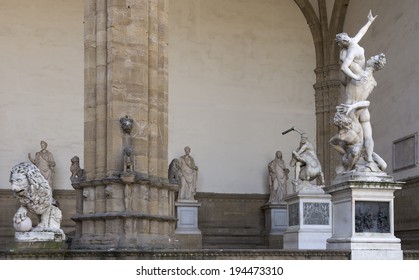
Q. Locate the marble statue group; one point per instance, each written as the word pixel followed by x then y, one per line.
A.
pixel 354 139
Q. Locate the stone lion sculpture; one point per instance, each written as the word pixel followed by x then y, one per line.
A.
pixel 76 172
pixel 35 195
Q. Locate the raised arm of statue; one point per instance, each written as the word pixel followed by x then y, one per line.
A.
pixel 364 29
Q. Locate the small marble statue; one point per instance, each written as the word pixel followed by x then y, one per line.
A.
pixel 76 172
pixel 359 83
pixel 44 160
pixel 35 195
pixel 128 160
pixel 307 165
pixel 188 174
pixel 278 176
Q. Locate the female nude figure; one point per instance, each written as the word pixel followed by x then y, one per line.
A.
pixel 359 81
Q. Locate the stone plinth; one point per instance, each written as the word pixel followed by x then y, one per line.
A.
pixel 309 219
pixel 276 223
pixel 187 232
pixel 39 236
pixel 113 214
pixel 39 240
pixel 363 215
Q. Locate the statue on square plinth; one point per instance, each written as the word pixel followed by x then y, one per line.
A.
pixel 308 206
pixel 369 233
pixel 278 177
pixel 306 163
pixel 184 172
pixel 35 195
pixel 354 139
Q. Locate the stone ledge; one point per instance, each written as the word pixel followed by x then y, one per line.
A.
pixel 205 254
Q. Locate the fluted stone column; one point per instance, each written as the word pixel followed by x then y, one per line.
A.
pixel 126 76
pixel 327 96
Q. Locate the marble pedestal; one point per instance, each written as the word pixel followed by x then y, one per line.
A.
pixel 276 223
pixel 309 219
pixel 39 240
pixel 187 232
pixel 363 216
pixel 40 236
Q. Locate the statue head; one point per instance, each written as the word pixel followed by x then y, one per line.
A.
pixel 377 62
pixel 187 150
pixel 304 138
pixel 126 124
pixel 342 120
pixel 342 39
pixel 127 151
pixel 75 159
pixel 43 145
pixel 25 177
pixel 278 154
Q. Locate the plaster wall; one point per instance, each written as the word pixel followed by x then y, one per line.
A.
pixel 240 73
pixel 41 83
pixel 394 101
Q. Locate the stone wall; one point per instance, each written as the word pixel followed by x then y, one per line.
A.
pixel 232 220
pixel 207 254
pixel 41 83
pixel 406 214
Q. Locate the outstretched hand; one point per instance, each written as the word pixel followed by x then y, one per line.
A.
pixel 344 108
pixel 371 18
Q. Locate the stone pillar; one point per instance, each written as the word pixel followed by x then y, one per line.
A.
pixel 126 76
pixel 327 96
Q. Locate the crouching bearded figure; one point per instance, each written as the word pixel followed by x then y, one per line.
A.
pixel 35 195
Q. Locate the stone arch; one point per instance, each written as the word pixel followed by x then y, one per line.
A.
pixel 327 86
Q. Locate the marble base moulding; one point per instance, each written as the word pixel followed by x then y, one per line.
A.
pixel 187 232
pixel 363 216
pixel 276 223
pixel 309 219
pixel 39 240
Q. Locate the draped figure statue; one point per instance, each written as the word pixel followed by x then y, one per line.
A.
pixel 278 176
pixel 188 174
